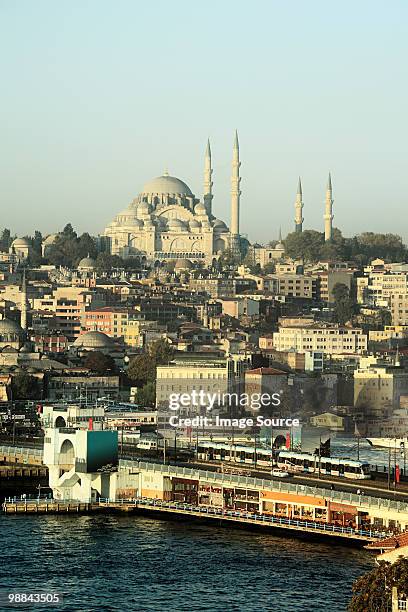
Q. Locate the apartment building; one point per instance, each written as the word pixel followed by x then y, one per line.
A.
pixel 325 339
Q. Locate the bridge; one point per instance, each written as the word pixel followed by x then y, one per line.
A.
pixel 178 510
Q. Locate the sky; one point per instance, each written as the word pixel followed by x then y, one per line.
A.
pixel 98 97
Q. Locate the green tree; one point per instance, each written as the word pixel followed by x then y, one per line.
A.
pixel 105 262
pixel 146 395
pixel 343 304
pixel 305 245
pixel 5 240
pixel 269 268
pixel 372 591
pixel 142 368
pixel 68 249
pixel 228 259
pixel 98 362
pixel 24 386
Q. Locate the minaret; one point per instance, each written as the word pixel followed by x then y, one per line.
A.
pixel 23 318
pixel 208 184
pixel 328 212
pixel 235 195
pixel 298 209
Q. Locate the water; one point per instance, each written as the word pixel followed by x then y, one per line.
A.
pixel 119 563
pixel 346 446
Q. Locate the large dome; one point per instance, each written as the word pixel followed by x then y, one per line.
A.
pixel 93 340
pixel 167 185
pixel 7 326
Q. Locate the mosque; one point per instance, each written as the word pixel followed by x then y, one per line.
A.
pixel 167 222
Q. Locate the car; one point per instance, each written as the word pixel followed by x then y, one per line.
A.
pixel 278 473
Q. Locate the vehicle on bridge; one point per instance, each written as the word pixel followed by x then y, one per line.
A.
pixel 328 466
pixel 237 453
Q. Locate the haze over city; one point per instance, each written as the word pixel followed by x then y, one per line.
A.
pixel 97 101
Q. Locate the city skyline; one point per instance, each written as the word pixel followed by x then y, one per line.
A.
pixel 93 110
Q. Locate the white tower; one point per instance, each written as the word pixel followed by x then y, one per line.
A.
pixel 328 213
pixel 208 184
pixel 298 209
pixel 23 319
pixel 235 195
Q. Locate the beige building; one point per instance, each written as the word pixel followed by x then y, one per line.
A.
pixel 68 304
pixel 325 339
pixel 329 279
pixel 185 376
pixel 378 287
pixel 379 388
pixel 329 420
pixel 399 309
pixel 388 333
pixel 238 307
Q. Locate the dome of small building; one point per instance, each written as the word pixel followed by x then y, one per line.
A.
pixel 25 349
pixel 87 263
pixel 183 264
pixel 20 242
pixel 200 209
pixel 8 326
pixel 49 240
pixel 94 340
pixel 166 185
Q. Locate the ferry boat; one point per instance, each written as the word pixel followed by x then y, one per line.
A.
pixel 393 443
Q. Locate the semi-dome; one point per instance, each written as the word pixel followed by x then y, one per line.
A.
pixel 194 223
pixel 176 224
pixel 87 263
pixel 144 209
pixel 219 226
pixel 167 185
pixel 93 340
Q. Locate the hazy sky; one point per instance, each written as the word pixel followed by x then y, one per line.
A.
pixel 97 97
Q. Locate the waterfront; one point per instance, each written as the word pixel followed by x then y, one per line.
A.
pixel 135 563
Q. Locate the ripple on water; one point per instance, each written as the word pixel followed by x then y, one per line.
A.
pixel 127 563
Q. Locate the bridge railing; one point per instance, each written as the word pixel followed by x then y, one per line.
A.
pixel 24 451
pixel 307 525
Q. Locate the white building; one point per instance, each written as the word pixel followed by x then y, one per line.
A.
pixel 328 340
pixel 166 221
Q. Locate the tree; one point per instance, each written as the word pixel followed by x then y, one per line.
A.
pixel 228 259
pixel 68 249
pixel 146 395
pixel 142 368
pixel 24 386
pixel 269 268
pixel 343 304
pixel 5 240
pixel 372 591
pixel 98 362
pixel 305 245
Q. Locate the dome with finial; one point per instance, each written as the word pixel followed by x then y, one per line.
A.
pixel 166 185
pixel 87 263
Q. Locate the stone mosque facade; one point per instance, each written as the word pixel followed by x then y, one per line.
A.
pixel 167 222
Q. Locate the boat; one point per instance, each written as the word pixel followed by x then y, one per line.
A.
pixel 393 443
